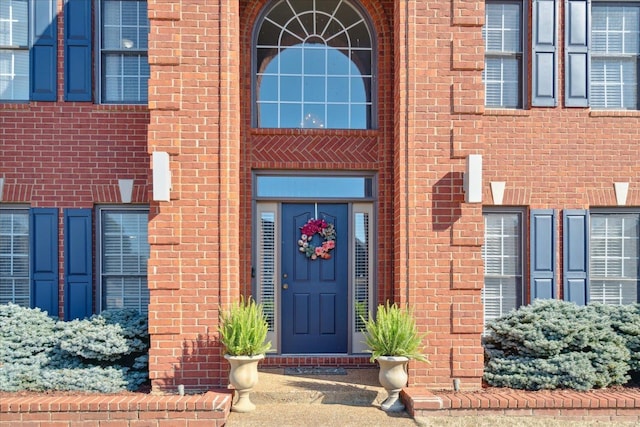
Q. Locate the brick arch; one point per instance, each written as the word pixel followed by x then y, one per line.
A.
pixel 250 10
pixel 379 13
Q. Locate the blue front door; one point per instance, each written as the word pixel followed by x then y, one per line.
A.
pixel 314 291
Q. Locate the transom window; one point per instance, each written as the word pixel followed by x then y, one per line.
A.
pixel 314 66
pixel 124 67
pixel 14 50
pixel 502 34
pixel 615 54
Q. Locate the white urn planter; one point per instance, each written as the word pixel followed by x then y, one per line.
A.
pixel 393 377
pixel 243 377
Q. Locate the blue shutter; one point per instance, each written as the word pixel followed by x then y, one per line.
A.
pixel 77 50
pixel 545 56
pixel 43 237
pixel 577 61
pixel 78 264
pixel 575 228
pixel 43 55
pixel 543 253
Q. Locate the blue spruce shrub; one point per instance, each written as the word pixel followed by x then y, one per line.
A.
pixel 27 336
pixel 554 344
pixel 93 339
pixel 625 321
pixel 105 353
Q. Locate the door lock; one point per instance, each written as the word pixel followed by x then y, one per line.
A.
pixel 285 286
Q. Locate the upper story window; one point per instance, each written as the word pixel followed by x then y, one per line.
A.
pixel 123 45
pixel 28 50
pixel 503 72
pixel 14 50
pixel 615 54
pixel 314 63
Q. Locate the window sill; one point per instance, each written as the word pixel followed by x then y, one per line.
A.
pixel 614 113
pixel 505 112
pixel 336 132
pixel 14 105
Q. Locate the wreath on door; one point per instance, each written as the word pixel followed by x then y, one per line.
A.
pixel 325 230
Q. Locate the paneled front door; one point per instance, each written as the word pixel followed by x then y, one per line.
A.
pixel 314 292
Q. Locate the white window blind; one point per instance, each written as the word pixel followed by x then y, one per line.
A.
pixel 14 50
pixel 614 258
pixel 125 252
pixel 502 73
pixel 267 266
pixel 615 35
pixel 14 257
pixel 362 269
pixel 502 255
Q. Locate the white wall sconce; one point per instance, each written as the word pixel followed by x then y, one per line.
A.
pixel 473 179
pixel 161 176
pixel 622 189
pixel 497 191
pixel 1 187
pixel 126 189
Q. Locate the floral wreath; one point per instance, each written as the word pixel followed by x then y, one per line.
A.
pixel 325 230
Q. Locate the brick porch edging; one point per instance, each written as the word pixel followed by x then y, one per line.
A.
pixel 605 405
pixel 210 409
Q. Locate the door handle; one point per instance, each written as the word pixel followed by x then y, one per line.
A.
pixel 285 286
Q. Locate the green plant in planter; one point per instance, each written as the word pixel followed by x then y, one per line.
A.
pixel 243 329
pixel 393 332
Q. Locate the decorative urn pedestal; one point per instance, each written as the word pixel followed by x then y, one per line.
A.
pixel 243 377
pixel 393 377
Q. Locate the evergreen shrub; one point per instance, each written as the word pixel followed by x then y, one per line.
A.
pixel 106 353
pixel 555 344
pixel 625 321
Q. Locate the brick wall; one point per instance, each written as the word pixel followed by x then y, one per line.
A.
pixel 193 268
pixel 430 115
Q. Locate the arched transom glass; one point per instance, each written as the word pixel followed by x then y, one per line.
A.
pixel 314 61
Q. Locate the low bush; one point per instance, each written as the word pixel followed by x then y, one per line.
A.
pixel 106 353
pixel 556 344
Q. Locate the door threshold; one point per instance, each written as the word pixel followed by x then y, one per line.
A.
pixel 321 360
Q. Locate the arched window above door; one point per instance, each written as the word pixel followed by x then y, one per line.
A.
pixel 313 66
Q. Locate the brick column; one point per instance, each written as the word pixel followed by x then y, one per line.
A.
pixel 439 102
pixel 193 266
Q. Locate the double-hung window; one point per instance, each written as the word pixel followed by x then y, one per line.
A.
pixel 28 50
pixel 14 50
pixel 124 252
pixel 14 256
pixel 503 72
pixel 502 256
pixel 613 258
pixel 123 45
pixel 615 54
